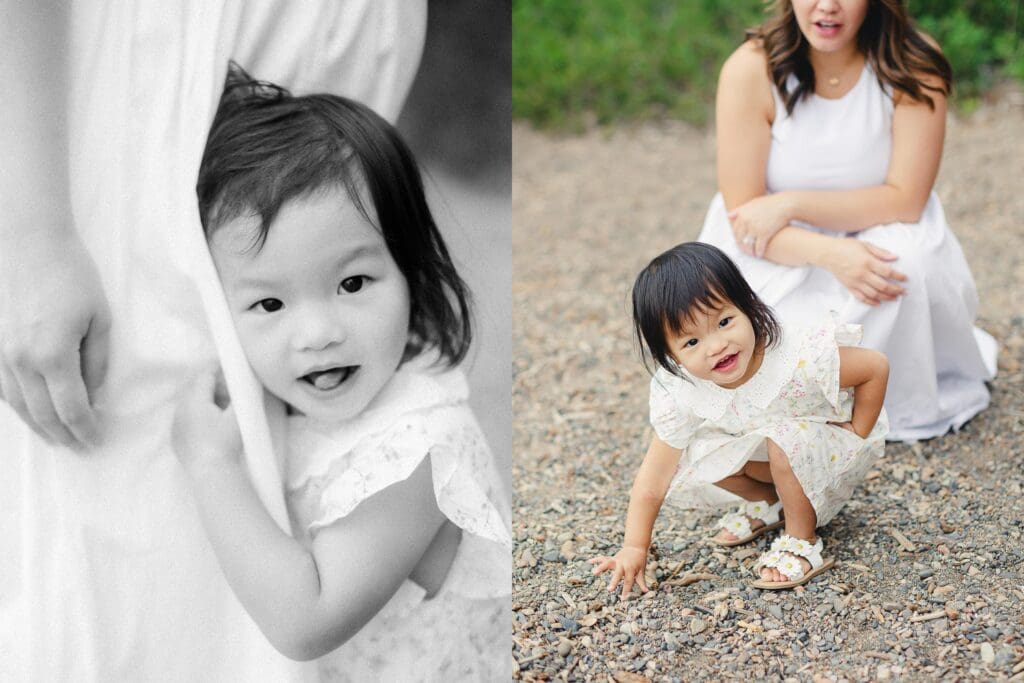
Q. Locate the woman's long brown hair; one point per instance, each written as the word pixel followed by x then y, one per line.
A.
pixel 897 51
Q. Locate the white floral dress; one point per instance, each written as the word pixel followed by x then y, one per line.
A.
pixel 461 633
pixel 791 400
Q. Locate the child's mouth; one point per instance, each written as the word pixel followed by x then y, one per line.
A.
pixel 332 378
pixel 727 363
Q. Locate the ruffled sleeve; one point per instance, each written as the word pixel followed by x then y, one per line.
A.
pixel 819 357
pixel 671 417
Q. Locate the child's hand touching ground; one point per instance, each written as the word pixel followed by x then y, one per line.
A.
pixel 628 565
pixel 203 432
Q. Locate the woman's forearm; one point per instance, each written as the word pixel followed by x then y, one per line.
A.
pixel 33 138
pixel 793 246
pixel 854 210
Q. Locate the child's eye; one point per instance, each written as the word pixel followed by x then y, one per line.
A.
pixel 268 305
pixel 690 343
pixel 352 284
pixel 725 321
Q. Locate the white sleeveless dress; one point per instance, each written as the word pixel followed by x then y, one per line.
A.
pixel 105 572
pixel 939 362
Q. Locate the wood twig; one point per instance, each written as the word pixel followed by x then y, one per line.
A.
pixel 937 614
pixel 688 579
pixel 903 540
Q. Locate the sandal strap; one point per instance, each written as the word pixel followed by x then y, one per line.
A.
pixel 785 553
pixel 736 523
pixel 762 510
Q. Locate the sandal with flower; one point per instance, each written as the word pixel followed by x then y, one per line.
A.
pixel 785 555
pixel 738 523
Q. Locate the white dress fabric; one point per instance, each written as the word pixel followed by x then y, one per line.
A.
pixel 460 633
pixel 791 399
pixel 939 362
pixel 106 573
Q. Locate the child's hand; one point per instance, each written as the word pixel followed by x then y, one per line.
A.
pixel 627 566
pixel 848 426
pixel 203 432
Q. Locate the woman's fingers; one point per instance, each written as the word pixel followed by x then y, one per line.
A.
pixel 878 252
pixel 70 400
pixel 886 290
pixel 40 407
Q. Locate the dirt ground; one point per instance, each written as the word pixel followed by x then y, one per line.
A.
pixel 929 583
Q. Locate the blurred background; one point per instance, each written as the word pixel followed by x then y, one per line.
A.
pixel 619 60
pixel 458 121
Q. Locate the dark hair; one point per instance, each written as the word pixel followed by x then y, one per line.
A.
pixel 897 51
pixel 687 278
pixel 267 147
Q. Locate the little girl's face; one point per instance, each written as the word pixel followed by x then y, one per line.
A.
pixel 322 310
pixel 717 345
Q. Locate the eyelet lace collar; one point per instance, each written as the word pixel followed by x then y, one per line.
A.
pixel 709 401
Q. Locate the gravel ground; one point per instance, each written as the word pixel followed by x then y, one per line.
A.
pixel 929 583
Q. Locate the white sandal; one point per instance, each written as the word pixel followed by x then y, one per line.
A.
pixel 784 555
pixel 738 523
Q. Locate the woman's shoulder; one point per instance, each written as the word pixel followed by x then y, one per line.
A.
pixel 747 64
pixel 744 75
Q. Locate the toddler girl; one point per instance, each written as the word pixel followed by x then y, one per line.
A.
pixel 763 416
pixel 350 311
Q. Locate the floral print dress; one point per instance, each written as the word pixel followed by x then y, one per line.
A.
pixel 791 399
pixel 460 633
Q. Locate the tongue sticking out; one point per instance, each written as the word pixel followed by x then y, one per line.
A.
pixel 329 379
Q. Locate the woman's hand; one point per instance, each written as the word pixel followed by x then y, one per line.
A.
pixel 54 331
pixel 755 222
pixel 203 433
pixel 865 270
pixel 627 566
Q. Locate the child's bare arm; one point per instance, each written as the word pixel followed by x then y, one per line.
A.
pixel 645 499
pixel 307 602
pixel 867 371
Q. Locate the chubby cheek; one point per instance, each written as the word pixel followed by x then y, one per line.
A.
pixel 265 353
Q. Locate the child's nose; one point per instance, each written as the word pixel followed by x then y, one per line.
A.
pixel 318 329
pixel 717 344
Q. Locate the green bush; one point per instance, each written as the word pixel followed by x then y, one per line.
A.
pixel 621 60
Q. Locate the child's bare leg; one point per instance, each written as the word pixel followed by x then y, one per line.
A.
pixel 801 520
pixel 747 488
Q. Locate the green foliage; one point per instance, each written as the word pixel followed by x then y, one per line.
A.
pixel 616 60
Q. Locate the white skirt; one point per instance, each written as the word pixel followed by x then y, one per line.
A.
pixel 939 361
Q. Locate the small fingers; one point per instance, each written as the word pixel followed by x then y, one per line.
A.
pixel 616 577
pixel 627 585
pixel 641 581
pixel 603 564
